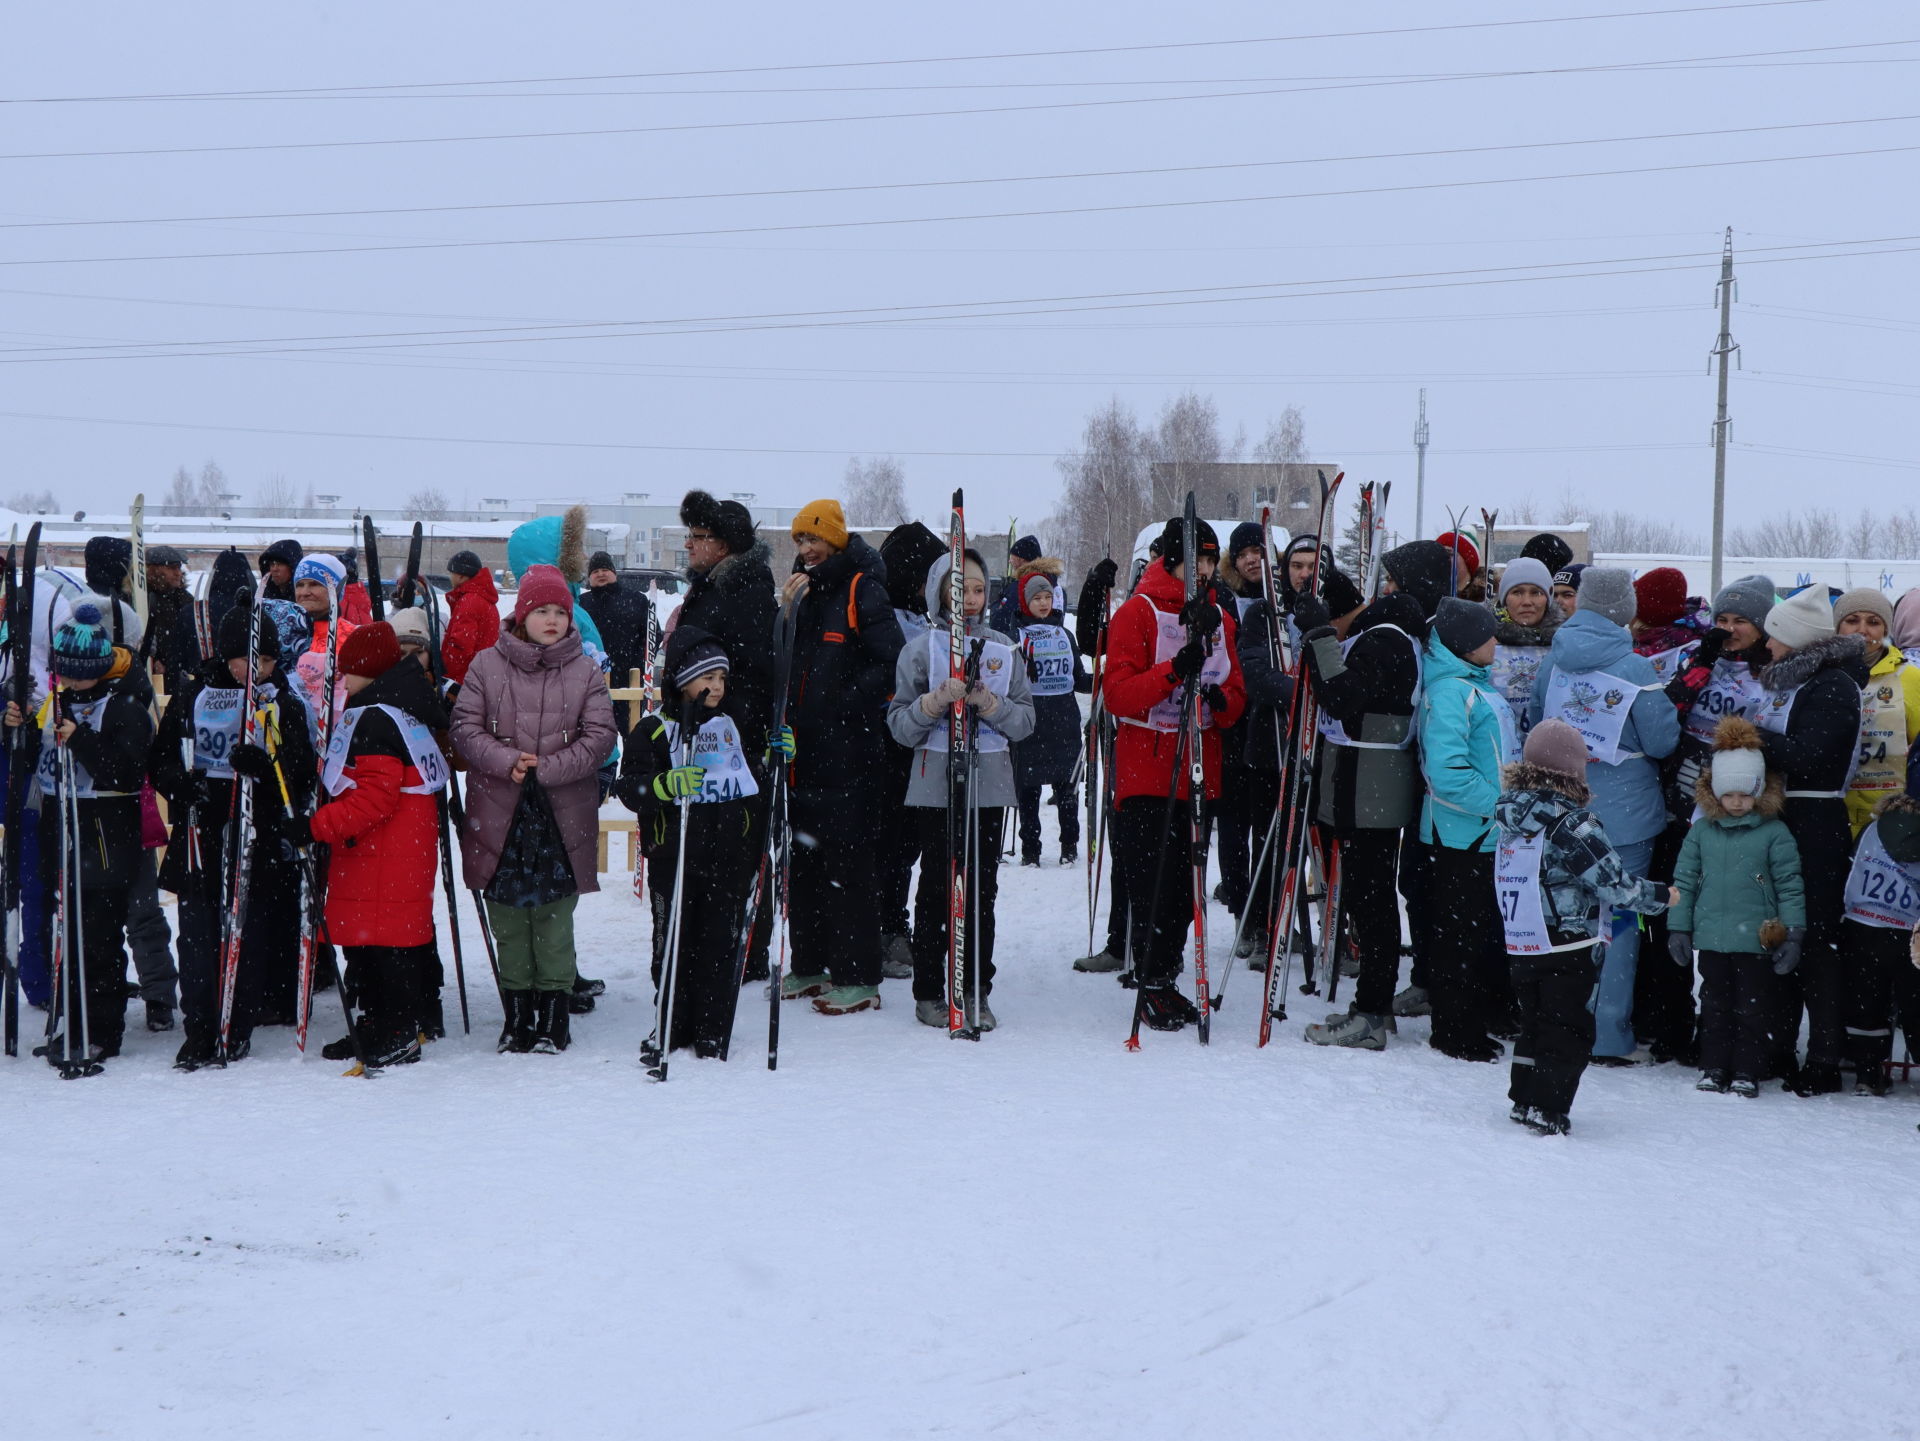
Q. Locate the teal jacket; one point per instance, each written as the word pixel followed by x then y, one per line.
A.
pixel 1463 749
pixel 1734 874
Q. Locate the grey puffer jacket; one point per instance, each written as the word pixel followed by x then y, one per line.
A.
pixel 550 701
pixel 1579 868
pixel 910 725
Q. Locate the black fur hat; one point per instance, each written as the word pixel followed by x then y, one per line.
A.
pixel 730 521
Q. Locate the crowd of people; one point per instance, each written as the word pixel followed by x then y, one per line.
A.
pixel 1623 824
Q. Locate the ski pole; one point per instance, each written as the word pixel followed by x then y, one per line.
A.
pixel 663 1019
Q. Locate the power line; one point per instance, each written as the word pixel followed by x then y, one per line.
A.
pixel 933 114
pixel 943 59
pixel 1052 211
pixel 952 183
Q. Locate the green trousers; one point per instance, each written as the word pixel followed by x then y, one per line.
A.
pixel 535 945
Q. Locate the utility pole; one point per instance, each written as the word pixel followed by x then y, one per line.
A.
pixel 1420 471
pixel 1723 349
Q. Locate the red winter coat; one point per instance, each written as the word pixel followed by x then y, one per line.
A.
pixel 384 859
pixel 473 626
pixel 1133 683
pixel 356 608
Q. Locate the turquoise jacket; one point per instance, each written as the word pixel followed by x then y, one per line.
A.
pixel 1463 748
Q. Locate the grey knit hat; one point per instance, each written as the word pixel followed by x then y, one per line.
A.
pixel 1739 772
pixel 1749 598
pixel 1864 598
pixel 1608 593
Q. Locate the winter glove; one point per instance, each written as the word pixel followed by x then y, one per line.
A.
pixel 1188 660
pixel 1200 616
pixel 678 783
pixel 251 761
pixel 296 830
pixel 1215 698
pixel 942 696
pixel 1787 954
pixel 1680 947
pixel 984 701
pixel 1711 645
pixel 782 744
pixel 1311 613
pixel 1103 575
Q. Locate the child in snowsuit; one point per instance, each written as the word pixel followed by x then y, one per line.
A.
pixel 1051 755
pixel 533 705
pixel 1883 909
pixel 1553 870
pixel 382 833
pixel 1001 702
pixel 1737 882
pixel 698 760
pixel 197 760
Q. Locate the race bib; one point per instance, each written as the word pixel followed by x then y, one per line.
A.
pixel 1882 765
pixel 1669 663
pixel 1513 672
pixel 1052 656
pixel 88 715
pixel 718 751
pixel 421 750
pixel 996 674
pixel 1880 891
pixel 1336 731
pixel 1596 704
pixel 217 716
pixel 1733 689
pixel 1171 635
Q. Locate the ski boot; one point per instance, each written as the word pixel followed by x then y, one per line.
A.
pixel 159 1015
pixel 1817 1080
pixel 1069 856
pixel 1100 963
pixel 799 988
pixel 1718 1082
pixel 1870 1080
pixel 1032 860
pixel 846 1000
pixel 1518 1115
pixel 1412 1002
pixel 1163 1008
pixel 1745 1087
pixel 896 958
pixel 196 1052
pixel 1548 1123
pixel 1354 1031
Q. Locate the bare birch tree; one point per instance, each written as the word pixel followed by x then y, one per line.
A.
pixel 1104 496
pixel 875 492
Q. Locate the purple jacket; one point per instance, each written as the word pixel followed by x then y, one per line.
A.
pixel 547 700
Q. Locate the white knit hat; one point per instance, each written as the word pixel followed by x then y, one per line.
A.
pixel 1739 772
pixel 1803 619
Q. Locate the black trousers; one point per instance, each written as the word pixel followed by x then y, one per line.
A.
pixel 1882 988
pixel 833 878
pixel 148 935
pixel 1416 889
pixel 103 998
pixel 1232 816
pixel 899 845
pixel 1368 862
pixel 1066 809
pixel 269 950
pixel 1263 879
pixel 385 983
pixel 1468 945
pixel 1739 1008
pixel 718 877
pixel 933 900
pixel 1153 857
pixel 1825 839
pixel 1554 996
pixel 1119 908
pixel 1663 1013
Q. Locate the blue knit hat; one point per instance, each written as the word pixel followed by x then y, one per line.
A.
pixel 81 648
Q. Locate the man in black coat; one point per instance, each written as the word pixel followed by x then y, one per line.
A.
pixel 277 564
pixel 731 596
pixel 621 612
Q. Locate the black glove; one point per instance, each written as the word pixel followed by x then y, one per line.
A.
pixel 1103 575
pixel 1188 660
pixel 1342 595
pixel 1787 954
pixel 1215 698
pixel 296 830
pixel 1200 616
pixel 251 761
pixel 1711 645
pixel 191 792
pixel 1311 613
pixel 1680 947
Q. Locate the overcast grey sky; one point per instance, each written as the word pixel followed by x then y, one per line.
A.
pixel 1597 383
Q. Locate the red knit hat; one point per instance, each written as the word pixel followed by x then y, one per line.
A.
pixel 1660 596
pixel 541 585
pixel 1031 583
pixel 371 651
pixel 1469 553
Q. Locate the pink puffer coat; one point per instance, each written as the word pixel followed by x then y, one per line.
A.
pixel 547 700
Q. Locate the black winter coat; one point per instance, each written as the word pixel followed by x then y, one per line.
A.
pixel 1051 755
pixel 1371 691
pixel 717 831
pixel 846 641
pixel 620 611
pixel 113 752
pixel 735 603
pixel 1269 692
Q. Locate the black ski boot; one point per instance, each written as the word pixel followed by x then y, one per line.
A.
pixel 1069 856
pixel 1163 1008
pixel 399 1048
pixel 159 1015
pixel 340 1050
pixel 1817 1080
pixel 196 1051
pixel 552 1033
pixel 516 1035
pixel 433 1020
pixel 1548 1123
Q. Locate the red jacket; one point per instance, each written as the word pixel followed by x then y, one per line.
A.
pixel 1133 682
pixel 356 608
pixel 473 626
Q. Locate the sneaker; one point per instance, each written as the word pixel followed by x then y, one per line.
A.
pixel 1413 1002
pixel 798 988
pixel 931 1013
pixel 401 1050
pixel 1548 1123
pixel 845 1000
pixel 1353 1031
pixel 1099 963
pixel 159 1015
pixel 1518 1115
pixel 1069 857
pixel 1247 946
pixel 1715 1081
pixel 1033 861
pixel 1745 1087
pixel 896 958
pixel 1163 1008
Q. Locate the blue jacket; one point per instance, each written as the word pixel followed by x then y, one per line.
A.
pixel 1463 749
pixel 1627 796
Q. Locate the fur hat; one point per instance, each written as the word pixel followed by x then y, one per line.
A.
pixel 823 518
pixel 1660 596
pixel 1551 551
pixel 371 651
pixel 1555 746
pixel 1800 620
pixel 1864 598
pixel 1526 570
pixel 541 585
pixel 1608 593
pixel 1749 598
pixel 1462 626
pixel 1739 764
pixel 81 648
pixel 729 520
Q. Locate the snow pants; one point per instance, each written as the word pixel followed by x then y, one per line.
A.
pixel 269 939
pixel 1882 985
pixel 932 903
pixel 1153 854
pixel 1663 1014
pixel 832 881
pixel 1232 816
pixel 1554 996
pixel 1613 1005
pixel 1066 806
pixel 385 983
pixel 1468 950
pixel 721 855
pixel 1738 1009
pixel 148 935
pixel 102 991
pixel 1825 838
pixel 899 844
pixel 1368 861
pixel 1416 889
pixel 534 945
pixel 1263 875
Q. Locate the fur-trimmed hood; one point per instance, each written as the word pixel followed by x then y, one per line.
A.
pixel 1534 798
pixel 1525 776
pixel 733 573
pixel 1769 804
pixel 1846 651
pixel 1052 567
pixel 556 540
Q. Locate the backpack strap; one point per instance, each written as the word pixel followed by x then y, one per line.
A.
pixel 853 613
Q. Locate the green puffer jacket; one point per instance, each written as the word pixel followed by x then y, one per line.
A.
pixel 1736 873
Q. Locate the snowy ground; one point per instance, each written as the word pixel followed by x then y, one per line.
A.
pixel 898 1235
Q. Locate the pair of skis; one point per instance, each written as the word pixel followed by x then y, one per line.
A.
pixel 963 820
pixel 240 831
pixel 19 690
pixel 68 1012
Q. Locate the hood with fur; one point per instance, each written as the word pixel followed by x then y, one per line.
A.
pixel 1533 798
pixel 1845 651
pixel 556 540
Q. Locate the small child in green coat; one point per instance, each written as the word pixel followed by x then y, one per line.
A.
pixel 1738 895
